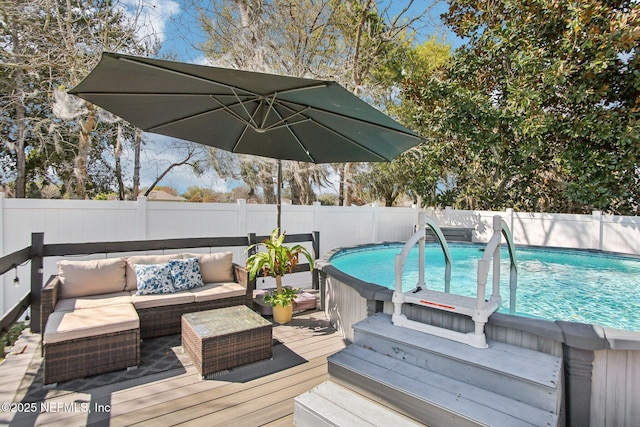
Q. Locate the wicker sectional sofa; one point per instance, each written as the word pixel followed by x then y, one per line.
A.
pixel 94 313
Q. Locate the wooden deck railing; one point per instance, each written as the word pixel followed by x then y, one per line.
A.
pixel 8 263
pixel 39 250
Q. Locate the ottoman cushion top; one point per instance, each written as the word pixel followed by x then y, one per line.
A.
pixel 89 322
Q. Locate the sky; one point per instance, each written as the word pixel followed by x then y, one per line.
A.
pixel 174 24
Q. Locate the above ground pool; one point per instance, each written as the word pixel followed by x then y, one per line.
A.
pixel 553 284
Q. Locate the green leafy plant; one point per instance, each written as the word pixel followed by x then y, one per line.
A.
pixel 282 299
pixel 275 261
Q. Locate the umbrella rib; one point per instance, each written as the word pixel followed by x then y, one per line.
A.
pixel 342 116
pixel 181 119
pixel 235 115
pixel 270 103
pixel 183 74
pixel 283 121
pixel 251 120
pixel 346 137
pixel 233 150
pixel 380 156
pixel 293 134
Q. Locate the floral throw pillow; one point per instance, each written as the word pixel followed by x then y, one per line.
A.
pixel 154 279
pixel 186 273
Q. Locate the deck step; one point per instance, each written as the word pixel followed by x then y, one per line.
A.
pixel 330 404
pixel 427 396
pixel 521 374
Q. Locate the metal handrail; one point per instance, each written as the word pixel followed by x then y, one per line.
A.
pixel 492 251
pixel 419 237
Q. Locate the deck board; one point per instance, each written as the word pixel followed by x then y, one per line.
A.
pixel 182 397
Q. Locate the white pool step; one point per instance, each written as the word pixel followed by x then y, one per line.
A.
pixel 440 382
pixel 447 302
pixel 330 404
pixel 432 398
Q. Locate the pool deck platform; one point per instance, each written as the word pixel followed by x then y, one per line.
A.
pixel 257 394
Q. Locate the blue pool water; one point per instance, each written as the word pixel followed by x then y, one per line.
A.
pixel 553 284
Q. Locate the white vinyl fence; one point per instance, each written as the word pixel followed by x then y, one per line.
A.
pixel 78 221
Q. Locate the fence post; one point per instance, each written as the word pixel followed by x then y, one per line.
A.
pixel 141 220
pixel 242 216
pixel 509 220
pixel 374 221
pixel 316 216
pixel 37 251
pixel 447 215
pixel 596 230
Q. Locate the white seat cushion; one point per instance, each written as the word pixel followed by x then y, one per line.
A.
pixel 213 291
pixel 92 301
pixel 158 300
pixel 90 322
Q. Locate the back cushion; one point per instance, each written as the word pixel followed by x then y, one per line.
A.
pixel 216 267
pixel 132 283
pixel 94 277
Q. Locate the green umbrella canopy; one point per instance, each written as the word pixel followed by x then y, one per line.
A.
pixel 281 117
pixel 268 115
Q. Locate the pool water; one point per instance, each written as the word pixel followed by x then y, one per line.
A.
pixel 553 284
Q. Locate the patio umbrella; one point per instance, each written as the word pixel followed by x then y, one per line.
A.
pixel 281 117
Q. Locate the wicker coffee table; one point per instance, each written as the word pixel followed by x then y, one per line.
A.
pixel 224 338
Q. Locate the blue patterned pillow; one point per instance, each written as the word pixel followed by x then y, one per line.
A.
pixel 186 273
pixel 154 279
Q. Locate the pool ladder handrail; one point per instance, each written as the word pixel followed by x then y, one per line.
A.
pixel 419 236
pixel 478 309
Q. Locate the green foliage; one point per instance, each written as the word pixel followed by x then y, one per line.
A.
pixel 277 259
pixel 416 172
pixel 327 199
pixel 7 340
pixel 282 299
pixel 540 109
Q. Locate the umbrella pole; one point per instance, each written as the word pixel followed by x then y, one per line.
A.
pixel 279 195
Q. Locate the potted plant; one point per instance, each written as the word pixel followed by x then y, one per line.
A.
pixel 275 261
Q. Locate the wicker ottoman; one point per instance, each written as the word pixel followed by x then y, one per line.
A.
pixel 224 338
pixel 90 341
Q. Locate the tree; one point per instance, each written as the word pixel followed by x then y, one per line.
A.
pixel 192 158
pixel 541 106
pixel 351 42
pixel 421 171
pixel 50 46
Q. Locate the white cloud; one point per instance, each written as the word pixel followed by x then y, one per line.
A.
pixel 152 16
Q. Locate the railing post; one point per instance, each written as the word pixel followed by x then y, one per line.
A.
pixel 315 280
pixel 37 251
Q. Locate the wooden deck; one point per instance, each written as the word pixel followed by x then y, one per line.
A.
pixel 177 397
